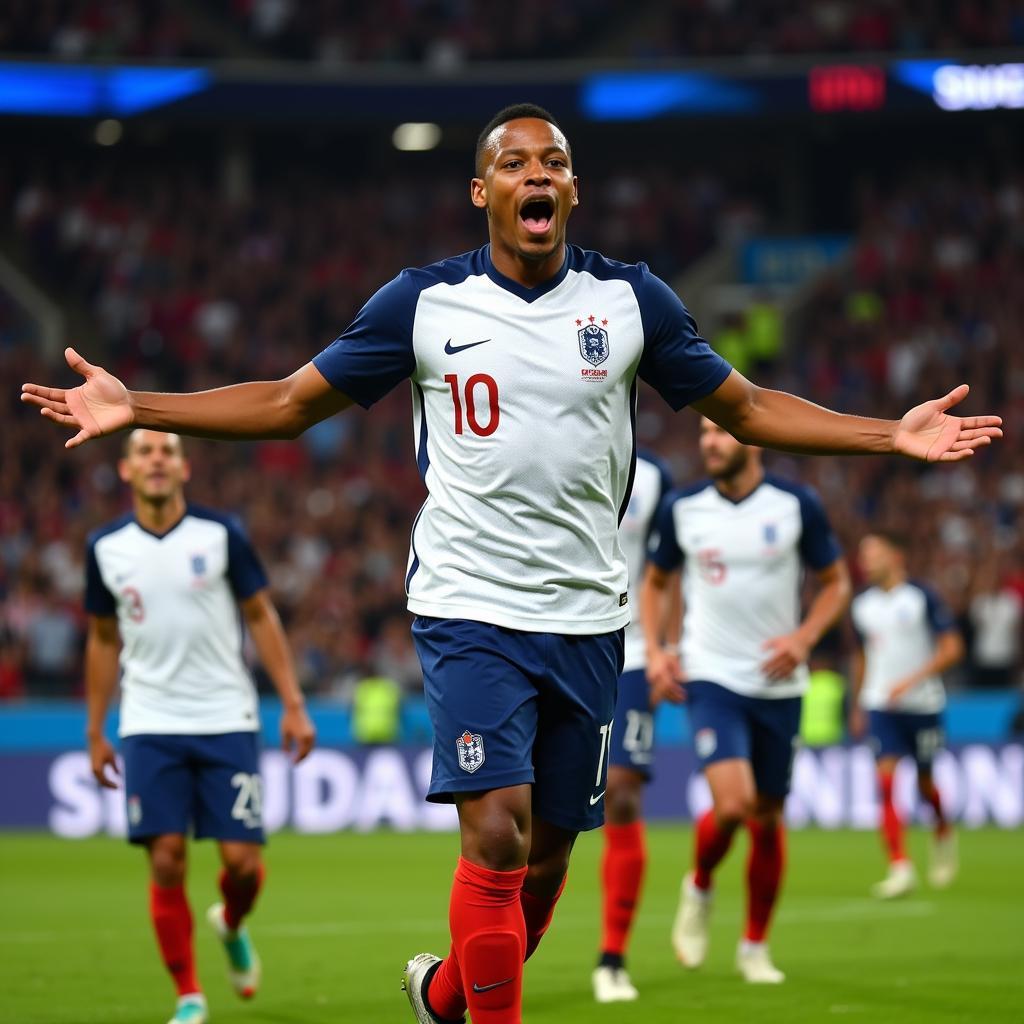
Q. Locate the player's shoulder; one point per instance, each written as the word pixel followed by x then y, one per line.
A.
pixel 804 493
pixel 204 514
pixel 109 529
pixel 451 271
pixel 589 261
pixel 690 493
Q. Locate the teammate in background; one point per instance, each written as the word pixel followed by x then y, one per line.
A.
pixel 742 540
pixel 523 357
pixel 909 639
pixel 167 581
pixel 630 751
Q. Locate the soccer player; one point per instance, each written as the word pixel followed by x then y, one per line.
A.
pixel 523 357
pixel 630 751
pixel 909 639
pixel 742 540
pixel 164 585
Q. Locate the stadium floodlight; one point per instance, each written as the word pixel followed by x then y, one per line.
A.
pixel 416 136
pixel 108 132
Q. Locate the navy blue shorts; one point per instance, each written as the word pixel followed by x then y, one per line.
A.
pixel 207 785
pixel 633 732
pixel 510 707
pixel 762 730
pixel 906 734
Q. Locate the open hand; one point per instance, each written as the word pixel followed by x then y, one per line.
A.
pixel 100 406
pixel 928 433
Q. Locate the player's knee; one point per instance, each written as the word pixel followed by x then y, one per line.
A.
pixel 497 842
pixel 622 805
pixel 167 862
pixel 733 809
pixel 242 864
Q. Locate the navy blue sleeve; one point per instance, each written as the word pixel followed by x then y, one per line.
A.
pixel 245 571
pixel 940 618
pixel 677 362
pixel 819 547
pixel 375 353
pixel 98 599
pixel 663 546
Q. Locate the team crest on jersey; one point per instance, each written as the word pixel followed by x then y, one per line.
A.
pixel 771 533
pixel 470 746
pixel 199 565
pixel 705 741
pixel 594 345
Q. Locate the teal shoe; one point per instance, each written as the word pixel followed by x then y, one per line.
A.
pixel 191 1010
pixel 244 968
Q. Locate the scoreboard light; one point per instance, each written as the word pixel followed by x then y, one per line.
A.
pixel 836 87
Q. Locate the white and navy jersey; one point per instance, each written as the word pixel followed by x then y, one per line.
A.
pixel 743 564
pixel 898 628
pixel 175 597
pixel 524 404
pixel 650 485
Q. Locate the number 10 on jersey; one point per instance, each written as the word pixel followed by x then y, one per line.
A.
pixel 466 397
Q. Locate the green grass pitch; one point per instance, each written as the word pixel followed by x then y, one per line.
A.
pixel 341 914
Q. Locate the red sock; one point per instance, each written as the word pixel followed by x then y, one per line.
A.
pixel 931 794
pixel 622 874
pixel 712 845
pixel 764 873
pixel 239 896
pixel 892 827
pixel 172 921
pixel 488 948
pixel 537 914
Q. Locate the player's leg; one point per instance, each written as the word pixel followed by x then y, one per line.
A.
pixel 891 742
pixel 625 855
pixel 773 748
pixel 944 859
pixel 229 808
pixel 483 708
pixel 158 787
pixel 722 739
pixel 546 871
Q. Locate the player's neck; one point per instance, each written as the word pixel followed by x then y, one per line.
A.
pixel 526 272
pixel 159 516
pixel 893 580
pixel 742 484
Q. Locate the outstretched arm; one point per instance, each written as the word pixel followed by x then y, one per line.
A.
pixel 261 409
pixel 775 419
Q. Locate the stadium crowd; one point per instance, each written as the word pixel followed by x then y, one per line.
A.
pixel 188 291
pixel 447 33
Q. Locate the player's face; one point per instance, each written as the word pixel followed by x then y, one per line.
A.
pixel 527 188
pixel 722 454
pixel 154 466
pixel 878 559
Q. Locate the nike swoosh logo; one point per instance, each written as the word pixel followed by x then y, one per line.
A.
pixel 497 984
pixel 451 349
pixel 594 799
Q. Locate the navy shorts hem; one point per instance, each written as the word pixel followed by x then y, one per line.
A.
pixel 443 792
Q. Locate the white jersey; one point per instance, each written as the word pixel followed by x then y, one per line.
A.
pixel 175 597
pixel 743 565
pixel 524 406
pixel 898 628
pixel 650 485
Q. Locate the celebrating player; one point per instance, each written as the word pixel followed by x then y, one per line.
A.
pixel 742 539
pixel 630 751
pixel 909 640
pixel 523 357
pixel 166 582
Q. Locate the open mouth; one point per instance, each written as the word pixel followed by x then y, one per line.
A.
pixel 537 214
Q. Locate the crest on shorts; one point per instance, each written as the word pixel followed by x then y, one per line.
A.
pixel 470 746
pixel 594 345
pixel 134 810
pixel 705 741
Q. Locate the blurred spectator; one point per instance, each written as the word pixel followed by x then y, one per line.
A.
pixel 996 613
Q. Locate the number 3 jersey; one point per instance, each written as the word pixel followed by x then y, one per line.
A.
pixel 743 564
pixel 524 405
pixel 175 597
